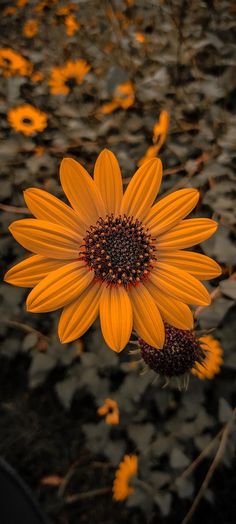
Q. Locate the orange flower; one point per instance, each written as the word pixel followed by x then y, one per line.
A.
pixel 71 25
pixel 22 3
pixel 124 97
pixel 127 469
pixel 37 76
pixel 160 131
pixel 66 10
pixel 13 63
pixel 30 28
pixel 140 38
pixel 111 410
pixel 71 71
pixel 9 11
pixel 213 358
pixel 112 254
pixel 27 119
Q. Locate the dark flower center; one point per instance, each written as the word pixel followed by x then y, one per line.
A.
pixel 27 121
pixel 119 250
pixel 178 356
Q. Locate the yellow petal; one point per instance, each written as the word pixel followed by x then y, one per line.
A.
pixel 81 191
pixel 170 210
pixel 107 177
pixel 45 206
pixel 173 311
pixel 142 190
pixel 200 266
pixel 45 238
pixel 59 288
pixel 187 233
pixel 179 284
pixel 78 316
pixel 116 317
pixel 30 271
pixel 147 319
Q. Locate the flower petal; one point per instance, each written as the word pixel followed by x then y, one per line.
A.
pixel 45 238
pixel 30 271
pixel 45 206
pixel 81 191
pixel 147 319
pixel 107 177
pixel 173 311
pixel 142 190
pixel 187 233
pixel 78 316
pixel 170 210
pixel 179 284
pixel 59 288
pixel 200 266
pixel 116 317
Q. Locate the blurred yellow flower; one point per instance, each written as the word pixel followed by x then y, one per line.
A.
pixel 12 63
pixel 140 38
pixel 110 410
pixel 160 131
pixel 127 469
pixel 212 363
pixel 30 28
pixel 27 119
pixel 123 97
pixel 60 76
pixel 71 25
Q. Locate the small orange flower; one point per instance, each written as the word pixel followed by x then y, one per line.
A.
pixel 22 3
pixel 140 38
pixel 160 131
pixel 30 28
pixel 37 77
pixel 73 70
pixel 27 119
pixel 66 10
pixel 111 410
pixel 213 358
pixel 12 63
pixel 124 97
pixel 71 25
pixel 114 254
pixel 126 471
pixel 9 11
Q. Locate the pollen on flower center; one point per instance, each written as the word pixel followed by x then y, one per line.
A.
pixel 119 250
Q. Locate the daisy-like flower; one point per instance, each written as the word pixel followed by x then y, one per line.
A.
pixel 213 360
pixel 12 63
pixel 110 410
pixel 27 119
pixel 128 469
pixel 112 254
pixel 30 28
pixel 61 77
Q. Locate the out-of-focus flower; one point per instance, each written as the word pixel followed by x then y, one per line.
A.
pixel 12 63
pixel 160 131
pixel 22 3
pixel 110 410
pixel 213 358
pixel 67 9
pixel 128 469
pixel 71 71
pixel 27 119
pixel 38 76
pixel 114 254
pixel 123 97
pixel 140 38
pixel 30 28
pixel 9 11
pixel 39 150
pixel 72 25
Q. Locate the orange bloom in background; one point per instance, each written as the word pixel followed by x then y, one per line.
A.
pixel 213 358
pixel 71 25
pixel 73 70
pixel 140 38
pixel 30 28
pixel 110 410
pixel 160 131
pixel 37 77
pixel 12 63
pixel 27 119
pixel 9 11
pixel 66 10
pixel 124 97
pixel 22 3
pixel 126 471
pixel 115 255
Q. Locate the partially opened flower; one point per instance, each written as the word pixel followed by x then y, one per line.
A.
pixel 213 360
pixel 27 119
pixel 128 469
pixel 110 411
pixel 112 254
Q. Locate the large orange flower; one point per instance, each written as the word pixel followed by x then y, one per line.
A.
pixel 112 254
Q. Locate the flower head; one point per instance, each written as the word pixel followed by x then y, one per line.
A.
pixel 12 63
pixel 213 358
pixel 59 81
pixel 160 131
pixel 110 410
pixel 112 254
pixel 71 25
pixel 123 97
pixel 27 119
pixel 30 28
pixel 128 469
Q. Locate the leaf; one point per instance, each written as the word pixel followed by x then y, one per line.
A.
pixel 225 411
pixel 141 434
pixel 163 501
pixel 40 367
pixel 178 459
pixel 228 287
pixel 66 390
pixel 184 488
